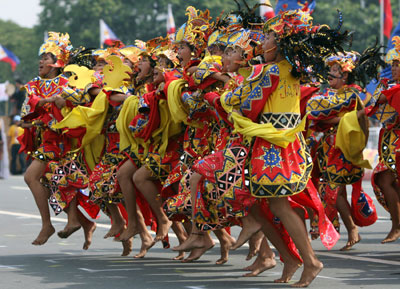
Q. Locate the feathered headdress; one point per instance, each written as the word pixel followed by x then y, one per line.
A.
pixel 196 30
pixel 394 53
pixel 59 45
pixel 306 46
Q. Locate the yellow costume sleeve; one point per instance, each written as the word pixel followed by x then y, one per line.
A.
pixel 92 118
pixel 350 139
pixel 178 111
pixel 128 112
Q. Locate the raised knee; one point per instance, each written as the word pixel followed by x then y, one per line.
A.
pixel 194 179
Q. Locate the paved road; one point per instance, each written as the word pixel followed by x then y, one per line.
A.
pixel 62 264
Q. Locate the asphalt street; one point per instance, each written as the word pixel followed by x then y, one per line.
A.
pixel 61 263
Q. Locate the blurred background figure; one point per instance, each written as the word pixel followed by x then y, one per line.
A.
pixel 17 165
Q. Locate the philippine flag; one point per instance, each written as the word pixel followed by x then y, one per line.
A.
pixel 170 23
pixel 107 36
pixel 9 57
pixel 388 19
pixel 266 10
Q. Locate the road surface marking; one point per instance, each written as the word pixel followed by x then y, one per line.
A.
pixel 358 258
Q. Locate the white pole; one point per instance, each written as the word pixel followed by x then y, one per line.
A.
pixel 101 44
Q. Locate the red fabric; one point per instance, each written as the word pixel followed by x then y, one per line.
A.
pixel 306 93
pixel 362 207
pixel 393 97
pixel 388 19
pixel 309 198
pixel 154 116
pixel 281 230
pixel 27 140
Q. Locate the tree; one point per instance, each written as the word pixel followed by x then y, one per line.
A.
pixel 25 45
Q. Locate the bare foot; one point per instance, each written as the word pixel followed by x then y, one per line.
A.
pixel 44 234
pixel 116 228
pixel 180 256
pixel 226 243
pixel 250 227
pixel 127 247
pixel 162 230
pixel 147 243
pixel 350 243
pixel 129 232
pixel 254 245
pixel 88 230
pixel 195 254
pixel 308 275
pixel 195 241
pixel 68 231
pixel 289 268
pixel 260 265
pixel 393 235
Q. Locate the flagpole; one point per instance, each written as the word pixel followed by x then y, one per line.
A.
pixel 382 6
pixel 100 46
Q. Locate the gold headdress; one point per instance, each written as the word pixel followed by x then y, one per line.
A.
pixel 59 45
pixel 196 30
pixel 394 53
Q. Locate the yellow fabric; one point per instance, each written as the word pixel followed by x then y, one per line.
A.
pixel 92 118
pixel 178 111
pixel 13 132
pixel 350 139
pixel 93 151
pixel 286 97
pixel 249 129
pixel 128 112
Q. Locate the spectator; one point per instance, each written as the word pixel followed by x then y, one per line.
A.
pixel 17 98
pixel 13 132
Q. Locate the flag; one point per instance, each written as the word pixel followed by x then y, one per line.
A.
pixel 9 57
pixel 387 20
pixel 107 36
pixel 266 11
pixel 170 22
pixel 284 5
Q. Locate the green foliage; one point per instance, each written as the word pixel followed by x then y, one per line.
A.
pixel 146 19
pixel 24 44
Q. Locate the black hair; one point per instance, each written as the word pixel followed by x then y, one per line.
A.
pixel 83 57
pixel 306 52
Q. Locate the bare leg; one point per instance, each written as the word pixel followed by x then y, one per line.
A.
pixel 88 228
pixel 142 180
pixel 197 238
pixel 226 241
pixel 254 244
pixel 290 262
pixel 264 261
pixel 127 247
pixel 388 184
pixel 145 237
pixel 345 212
pixel 182 236
pixel 249 227
pixel 73 223
pixel 32 178
pixel 124 176
pixel 281 208
pixel 196 253
pixel 118 222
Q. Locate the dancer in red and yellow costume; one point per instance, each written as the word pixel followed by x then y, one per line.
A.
pixel 40 110
pixel 385 178
pixel 340 163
